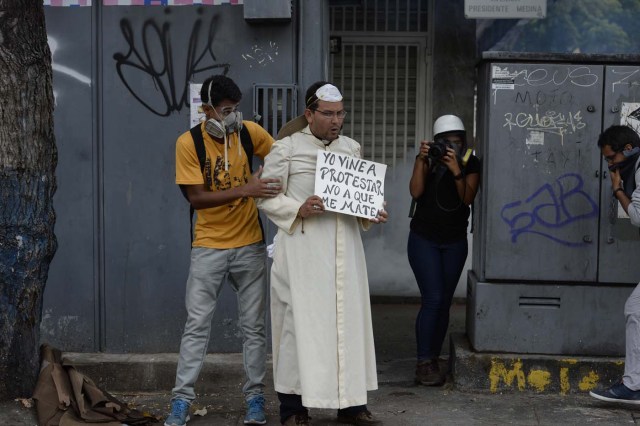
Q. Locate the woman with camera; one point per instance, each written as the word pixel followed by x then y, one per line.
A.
pixel 443 184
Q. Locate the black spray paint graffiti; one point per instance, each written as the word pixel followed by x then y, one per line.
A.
pixel 160 68
pixel 547 210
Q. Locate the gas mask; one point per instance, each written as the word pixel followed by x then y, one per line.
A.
pixel 630 157
pixel 220 128
pixel 223 127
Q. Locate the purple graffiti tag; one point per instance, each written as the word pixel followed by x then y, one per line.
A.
pixel 547 209
pixel 155 62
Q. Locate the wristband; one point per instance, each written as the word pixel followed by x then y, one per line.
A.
pixel 458 176
pixel 616 190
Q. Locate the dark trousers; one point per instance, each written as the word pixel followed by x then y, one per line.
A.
pixel 437 268
pixel 291 404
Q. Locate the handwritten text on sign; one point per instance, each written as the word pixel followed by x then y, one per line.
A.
pixel 350 185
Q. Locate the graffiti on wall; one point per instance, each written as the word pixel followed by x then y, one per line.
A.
pixel 554 122
pixel 630 115
pixel 625 78
pixel 152 59
pixel 551 208
pixel 63 69
pixel 556 375
pixel 504 78
pixel 261 56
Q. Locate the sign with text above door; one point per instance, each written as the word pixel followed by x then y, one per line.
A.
pixel 505 9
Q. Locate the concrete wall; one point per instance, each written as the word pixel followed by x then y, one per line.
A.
pixel 121 77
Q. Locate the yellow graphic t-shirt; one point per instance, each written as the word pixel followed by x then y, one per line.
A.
pixel 234 224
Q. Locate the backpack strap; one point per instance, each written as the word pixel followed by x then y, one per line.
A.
pixel 247 144
pixel 201 152
pixel 198 141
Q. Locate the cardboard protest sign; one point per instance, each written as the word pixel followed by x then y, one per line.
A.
pixel 350 185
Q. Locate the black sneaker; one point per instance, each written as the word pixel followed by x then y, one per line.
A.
pixel 617 393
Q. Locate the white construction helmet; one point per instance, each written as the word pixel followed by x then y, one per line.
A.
pixel 447 123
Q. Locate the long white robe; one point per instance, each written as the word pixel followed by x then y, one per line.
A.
pixel 320 311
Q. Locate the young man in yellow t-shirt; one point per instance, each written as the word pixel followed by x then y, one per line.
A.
pixel 227 243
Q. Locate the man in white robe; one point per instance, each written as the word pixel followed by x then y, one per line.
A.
pixel 323 351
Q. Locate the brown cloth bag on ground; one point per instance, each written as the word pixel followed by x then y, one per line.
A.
pixel 65 397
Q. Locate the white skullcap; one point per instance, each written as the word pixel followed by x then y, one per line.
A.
pixel 329 93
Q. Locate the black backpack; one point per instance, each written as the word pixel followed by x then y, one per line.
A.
pixel 198 142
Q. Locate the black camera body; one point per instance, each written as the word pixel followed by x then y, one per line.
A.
pixel 438 148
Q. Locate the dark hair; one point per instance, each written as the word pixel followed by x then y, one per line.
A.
pixel 221 87
pixel 617 137
pixel 310 98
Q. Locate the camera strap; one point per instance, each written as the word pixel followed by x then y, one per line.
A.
pixel 465 158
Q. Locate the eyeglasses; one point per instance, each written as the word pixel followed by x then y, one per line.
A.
pixel 228 110
pixel 223 112
pixel 330 114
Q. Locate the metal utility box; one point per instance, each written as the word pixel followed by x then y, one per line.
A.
pixel 552 267
pixel 264 11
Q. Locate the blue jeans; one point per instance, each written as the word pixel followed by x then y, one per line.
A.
pixel 437 268
pixel 245 268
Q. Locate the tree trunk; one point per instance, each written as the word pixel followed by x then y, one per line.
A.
pixel 28 159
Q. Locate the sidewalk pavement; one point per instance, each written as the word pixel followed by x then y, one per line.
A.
pixel 515 399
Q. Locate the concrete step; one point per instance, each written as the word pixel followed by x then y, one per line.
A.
pixel 395 355
pixel 157 372
pixel 470 371
pixel 545 374
pixel 124 373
